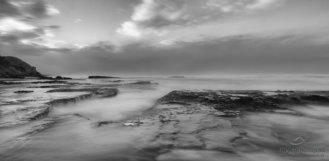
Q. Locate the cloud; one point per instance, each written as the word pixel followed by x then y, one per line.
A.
pixel 37 9
pixel 8 9
pixel 78 20
pixel 8 25
pixel 152 14
pixel 130 29
pixel 261 4
pixel 245 54
pixel 158 16
pixel 20 25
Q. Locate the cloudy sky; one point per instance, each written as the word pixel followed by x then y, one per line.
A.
pixel 154 37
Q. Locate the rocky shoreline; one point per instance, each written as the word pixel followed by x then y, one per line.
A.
pixel 42 109
pixel 186 124
pixel 211 124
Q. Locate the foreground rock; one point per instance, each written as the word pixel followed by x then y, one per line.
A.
pixel 254 101
pixel 103 92
pixel 33 110
pixel 230 125
pixel 12 67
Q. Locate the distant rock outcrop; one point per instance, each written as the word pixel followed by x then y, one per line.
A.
pixel 12 67
pixel 100 77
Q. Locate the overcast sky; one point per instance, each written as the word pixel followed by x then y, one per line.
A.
pixel 172 37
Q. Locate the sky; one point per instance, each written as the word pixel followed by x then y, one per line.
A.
pixel 167 37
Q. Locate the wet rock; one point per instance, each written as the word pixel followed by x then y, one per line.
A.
pixel 132 123
pixel 142 82
pixel 100 77
pixel 73 90
pixel 101 123
pixel 64 101
pixel 198 155
pixel 316 98
pixel 230 113
pixel 188 141
pixel 45 124
pixel 49 82
pixel 107 92
pixel 81 116
pixel 8 83
pixel 51 86
pixel 63 78
pixel 231 102
pixel 39 114
pixel 23 92
pixel 116 81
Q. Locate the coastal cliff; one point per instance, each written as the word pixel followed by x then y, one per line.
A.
pixel 12 67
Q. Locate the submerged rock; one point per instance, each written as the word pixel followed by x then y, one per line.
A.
pixel 100 77
pixel 61 77
pixel 73 90
pixel 64 101
pixel 51 86
pixel 9 83
pixel 41 113
pixel 49 82
pixel 142 82
pixel 132 123
pixel 101 123
pixel 116 81
pixel 23 92
pixel 107 92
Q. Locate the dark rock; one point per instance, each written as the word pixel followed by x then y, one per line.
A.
pixel 46 77
pixel 142 82
pixel 81 116
pixel 23 92
pixel 8 83
pixel 107 92
pixel 73 90
pixel 63 78
pixel 49 82
pixel 101 123
pixel 318 98
pixel 100 77
pixel 52 86
pixel 43 112
pixel 12 67
pixel 103 92
pixel 64 101
pixel 116 81
pixel 245 100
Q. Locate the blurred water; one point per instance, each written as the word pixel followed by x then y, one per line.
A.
pixel 74 136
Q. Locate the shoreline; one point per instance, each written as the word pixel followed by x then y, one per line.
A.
pixel 179 125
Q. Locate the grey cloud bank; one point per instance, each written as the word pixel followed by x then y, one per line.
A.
pixel 235 55
pixel 173 37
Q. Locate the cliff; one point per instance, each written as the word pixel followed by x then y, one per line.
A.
pixel 12 67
